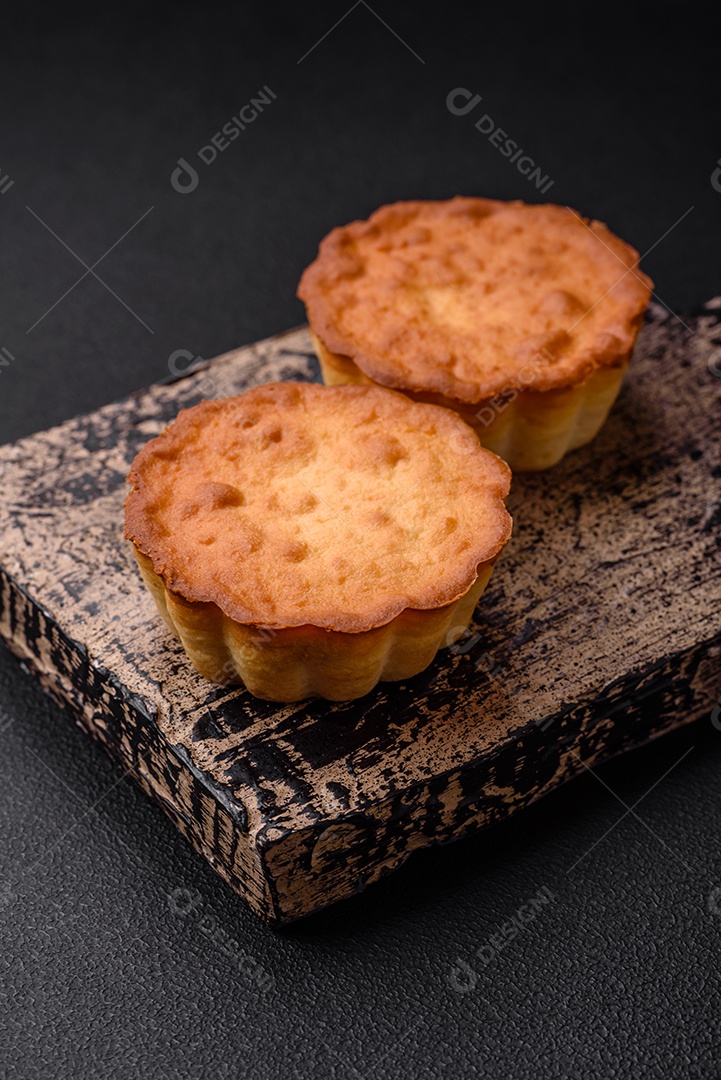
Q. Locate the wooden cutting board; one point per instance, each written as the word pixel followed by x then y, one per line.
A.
pixel 600 630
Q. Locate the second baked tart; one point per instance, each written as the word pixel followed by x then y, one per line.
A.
pixel 520 317
pixel 310 541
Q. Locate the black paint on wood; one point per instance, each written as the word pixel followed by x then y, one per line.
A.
pixel 601 629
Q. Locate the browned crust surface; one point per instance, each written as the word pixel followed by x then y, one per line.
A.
pixel 465 296
pixel 301 505
pixel 599 631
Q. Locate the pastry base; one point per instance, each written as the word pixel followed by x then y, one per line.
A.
pixel 297 807
pixel 294 663
pixel 528 429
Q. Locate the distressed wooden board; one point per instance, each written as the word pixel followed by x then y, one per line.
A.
pixel 600 630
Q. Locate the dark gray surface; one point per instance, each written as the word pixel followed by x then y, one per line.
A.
pixel 616 974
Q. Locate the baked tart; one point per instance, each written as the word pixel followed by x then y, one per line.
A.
pixel 311 541
pixel 520 317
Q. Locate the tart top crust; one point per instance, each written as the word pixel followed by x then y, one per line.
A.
pixel 469 297
pixel 296 504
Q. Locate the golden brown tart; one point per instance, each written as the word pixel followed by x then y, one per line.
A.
pixel 310 541
pixel 520 317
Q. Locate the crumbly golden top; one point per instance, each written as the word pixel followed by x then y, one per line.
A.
pixel 466 297
pixel 298 504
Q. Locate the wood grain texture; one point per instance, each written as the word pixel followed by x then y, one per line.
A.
pixel 600 630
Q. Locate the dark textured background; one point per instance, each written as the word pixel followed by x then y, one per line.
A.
pixel 122 953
